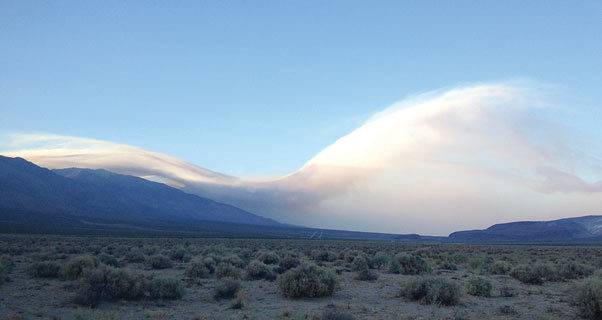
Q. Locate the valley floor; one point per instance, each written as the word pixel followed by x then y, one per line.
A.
pixel 25 295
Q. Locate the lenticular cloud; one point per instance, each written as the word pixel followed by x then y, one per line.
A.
pixel 433 163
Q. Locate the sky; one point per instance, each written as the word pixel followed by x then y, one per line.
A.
pixel 258 88
pixel 404 116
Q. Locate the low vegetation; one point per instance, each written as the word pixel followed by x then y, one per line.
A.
pixel 429 290
pixel 408 265
pixel 44 269
pixel 479 286
pixel 296 279
pixel 308 280
pixel 226 288
pixel 105 283
pixel 588 298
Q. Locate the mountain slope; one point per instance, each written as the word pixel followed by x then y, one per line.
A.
pixel 25 187
pixel 569 229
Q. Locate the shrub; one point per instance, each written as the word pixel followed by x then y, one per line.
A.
pixel 109 260
pixel 534 274
pixel 180 254
pixel 380 260
pixel 459 258
pixel 479 286
pixel 408 264
pixel 135 256
pixel 44 269
pixel 475 261
pixel 500 267
pixel 74 268
pixel 240 301
pixel 233 260
pixel 588 298
pixel 6 267
pixel 258 270
pixel 226 270
pixel 308 280
pixel 209 264
pixel 226 288
pixel 359 263
pixel 429 290
pixel 197 270
pixel 447 265
pixel 366 275
pixel 159 261
pixel 289 263
pixel 105 283
pixel 573 270
pixel 268 257
pixel 169 289
pixel 323 255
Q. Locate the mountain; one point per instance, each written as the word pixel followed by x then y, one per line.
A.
pixel 100 194
pixel 581 229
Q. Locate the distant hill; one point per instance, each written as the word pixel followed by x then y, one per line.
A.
pixel 581 229
pixel 100 194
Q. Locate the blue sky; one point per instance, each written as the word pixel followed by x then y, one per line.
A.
pixel 254 88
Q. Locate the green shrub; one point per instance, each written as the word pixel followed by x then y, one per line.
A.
pixel 289 263
pixel 573 270
pixel 380 260
pixel 430 290
pixel 209 264
pixel 366 275
pixel 159 261
pixel 226 288
pixel 308 280
pixel 44 269
pixel 534 273
pixel 459 258
pixel 500 267
pixel 180 254
pixel 447 265
pixel 197 270
pixel 105 283
pixel 268 257
pixel 258 270
pixel 226 270
pixel 109 260
pixel 240 301
pixel 359 263
pixel 479 286
pixel 234 260
pixel 475 261
pixel 169 289
pixel 323 255
pixel 588 298
pixel 135 256
pixel 408 264
pixel 74 268
pixel 6 267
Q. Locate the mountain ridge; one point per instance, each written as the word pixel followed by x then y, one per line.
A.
pixel 575 228
pixel 104 194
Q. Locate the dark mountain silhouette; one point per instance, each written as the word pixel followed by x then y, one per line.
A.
pixel 581 229
pixel 100 194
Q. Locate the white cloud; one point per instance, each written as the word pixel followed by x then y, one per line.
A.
pixel 435 163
